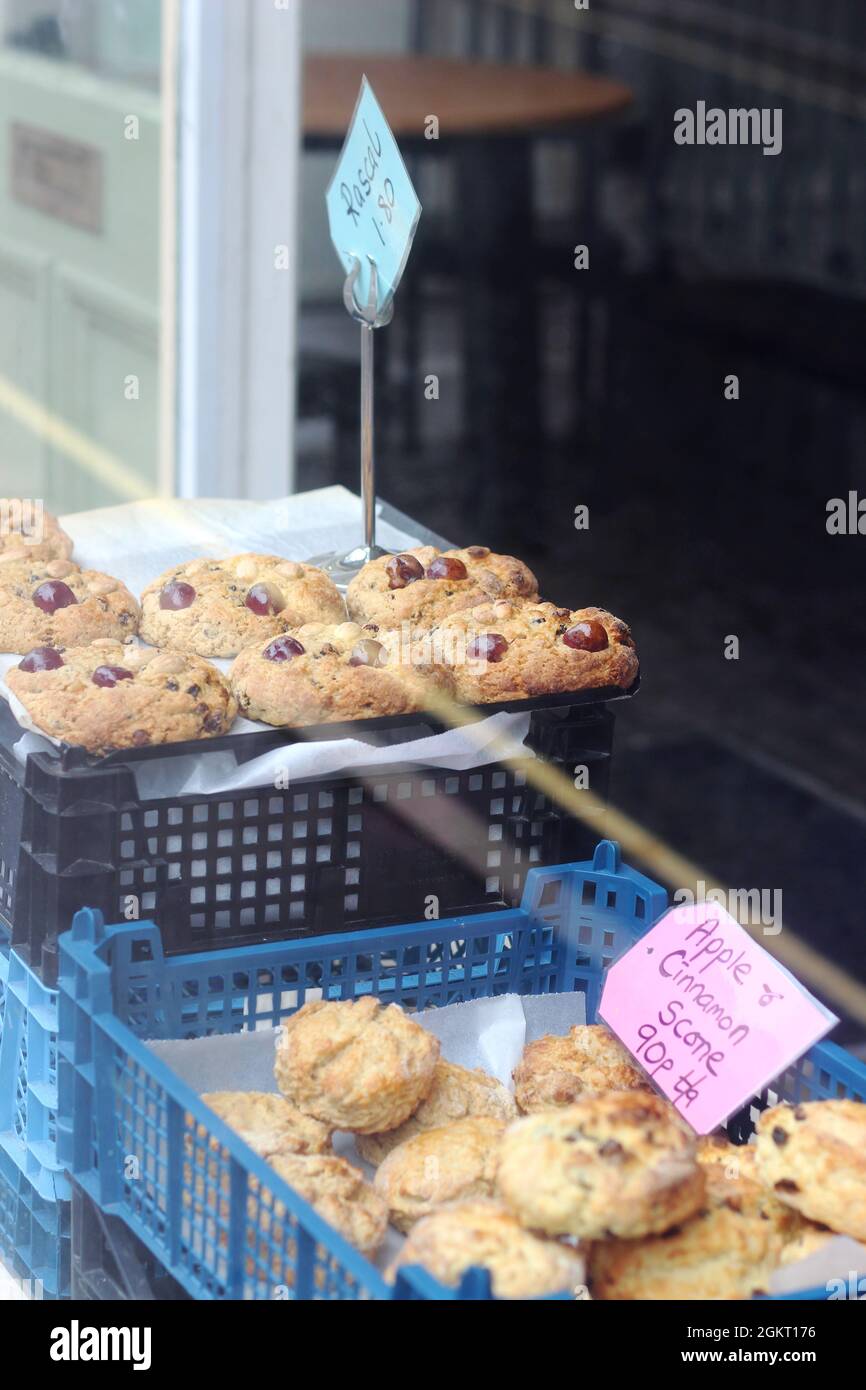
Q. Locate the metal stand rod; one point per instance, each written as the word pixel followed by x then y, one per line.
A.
pixel 341 568
pixel 368 466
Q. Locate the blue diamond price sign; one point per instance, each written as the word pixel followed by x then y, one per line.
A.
pixel 373 209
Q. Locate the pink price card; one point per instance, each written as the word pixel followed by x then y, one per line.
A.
pixel 708 1013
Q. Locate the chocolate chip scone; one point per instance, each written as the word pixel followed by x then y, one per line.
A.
pixel 728 1250
pixel 457 1093
pixel 422 586
pixel 30 533
pixel 738 1163
pixel 111 695
pixel 813 1156
pixel 323 673
pixel 619 1164
pixel 218 607
pixel 454 1163
pixel 54 603
pixel 522 1265
pixel 355 1064
pixel 557 1071
pixel 511 651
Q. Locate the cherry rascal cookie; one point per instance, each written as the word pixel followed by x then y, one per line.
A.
pixel 510 651
pixel 522 1265
pixel 218 607
pixel 618 1164
pixel 556 1071
pixel 422 586
pixel 457 1093
pixel 54 603
pixel 355 1064
pixel 323 673
pixel 109 695
pixel 28 532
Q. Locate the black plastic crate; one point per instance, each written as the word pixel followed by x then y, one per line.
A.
pixel 321 856
pixel 110 1264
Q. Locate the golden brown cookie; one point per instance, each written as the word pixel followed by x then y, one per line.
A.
pixel 29 533
pixel 512 651
pixel 483 1234
pixel 556 1071
pixel 54 603
pixel 813 1156
pixel 269 1124
pixel 457 1093
pixel 355 1064
pixel 111 695
pixel 422 586
pixel 727 1250
pixel 339 1193
pixel 323 673
pixel 618 1164
pixel 455 1163
pixel 217 607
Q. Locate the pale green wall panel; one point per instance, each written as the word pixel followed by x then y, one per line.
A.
pixel 23 362
pixel 79 310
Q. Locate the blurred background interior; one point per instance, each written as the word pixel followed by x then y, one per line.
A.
pixel 156 157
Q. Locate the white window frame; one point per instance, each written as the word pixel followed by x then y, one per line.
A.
pixel 238 140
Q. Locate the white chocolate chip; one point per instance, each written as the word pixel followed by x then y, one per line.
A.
pixel 102 584
pixel 61 569
pixel 166 663
pixel 369 653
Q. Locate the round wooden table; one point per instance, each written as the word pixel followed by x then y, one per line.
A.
pixel 490 117
pixel 469 99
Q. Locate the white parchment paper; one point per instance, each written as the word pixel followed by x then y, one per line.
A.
pixel 137 541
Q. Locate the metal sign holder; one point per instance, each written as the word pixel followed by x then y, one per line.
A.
pixel 343 568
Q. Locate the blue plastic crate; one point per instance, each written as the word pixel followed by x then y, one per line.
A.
pixel 4 976
pixel 145 1148
pixel 35 1207
pixel 28 1078
pixel 35 1243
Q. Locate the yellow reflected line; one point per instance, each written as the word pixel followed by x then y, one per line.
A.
pixel 99 463
pixel 672 868
pixel 635 840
